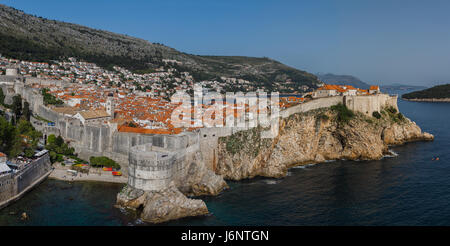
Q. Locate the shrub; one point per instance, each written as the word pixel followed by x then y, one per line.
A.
pixel 49 98
pixel 376 114
pixel 391 110
pixel 234 144
pixel 322 116
pixel 57 145
pixel 344 114
pixel 103 161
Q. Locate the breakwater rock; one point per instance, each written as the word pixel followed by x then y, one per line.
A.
pixel 314 137
pixel 162 205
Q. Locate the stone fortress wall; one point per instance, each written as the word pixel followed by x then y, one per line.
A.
pixel 153 166
pixel 153 161
pixel 14 185
pixel 209 137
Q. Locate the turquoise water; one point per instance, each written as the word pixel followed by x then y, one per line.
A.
pixel 55 203
pixel 409 189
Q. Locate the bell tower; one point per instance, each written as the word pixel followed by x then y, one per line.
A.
pixel 110 106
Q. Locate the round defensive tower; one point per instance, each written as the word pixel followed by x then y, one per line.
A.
pixel 149 169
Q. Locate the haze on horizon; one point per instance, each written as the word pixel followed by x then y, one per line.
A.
pixel 380 42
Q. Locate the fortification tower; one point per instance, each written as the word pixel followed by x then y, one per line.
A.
pixel 110 106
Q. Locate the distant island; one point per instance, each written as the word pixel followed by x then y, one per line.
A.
pixel 402 87
pixel 335 79
pixel 440 93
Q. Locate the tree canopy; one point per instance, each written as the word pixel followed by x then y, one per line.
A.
pixel 49 98
pixel 103 161
pixel 17 139
pixel 58 148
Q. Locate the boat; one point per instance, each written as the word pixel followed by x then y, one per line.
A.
pixel 73 172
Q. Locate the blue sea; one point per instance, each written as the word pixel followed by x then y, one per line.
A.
pixel 407 189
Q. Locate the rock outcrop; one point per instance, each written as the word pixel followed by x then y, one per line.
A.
pixel 162 205
pixel 313 137
pixel 171 203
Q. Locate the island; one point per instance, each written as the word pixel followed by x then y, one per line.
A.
pixel 440 93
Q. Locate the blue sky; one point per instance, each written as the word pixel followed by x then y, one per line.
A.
pixel 378 41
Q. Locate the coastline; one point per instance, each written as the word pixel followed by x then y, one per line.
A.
pixel 428 99
pixel 29 188
pixel 61 174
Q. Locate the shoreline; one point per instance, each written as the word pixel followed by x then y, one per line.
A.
pixel 61 174
pixel 428 99
pixel 29 188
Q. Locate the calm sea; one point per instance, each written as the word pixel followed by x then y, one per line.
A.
pixel 409 189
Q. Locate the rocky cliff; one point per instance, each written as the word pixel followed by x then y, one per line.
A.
pixel 313 137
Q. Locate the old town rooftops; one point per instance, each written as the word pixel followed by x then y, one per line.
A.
pixel 66 110
pixel 344 88
pixel 94 114
pixel 337 87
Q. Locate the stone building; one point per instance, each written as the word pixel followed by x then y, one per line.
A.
pixel 93 116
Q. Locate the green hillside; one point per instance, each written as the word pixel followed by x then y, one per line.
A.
pixel 32 38
pixel 438 92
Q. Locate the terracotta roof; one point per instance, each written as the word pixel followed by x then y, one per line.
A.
pixel 329 87
pixel 149 131
pixel 65 110
pixel 93 114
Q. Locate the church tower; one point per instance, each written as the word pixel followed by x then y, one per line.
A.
pixel 110 106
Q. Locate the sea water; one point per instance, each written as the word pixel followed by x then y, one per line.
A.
pixel 406 189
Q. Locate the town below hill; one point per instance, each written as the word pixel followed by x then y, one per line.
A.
pixel 30 38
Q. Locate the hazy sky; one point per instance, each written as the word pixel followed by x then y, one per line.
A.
pixel 377 41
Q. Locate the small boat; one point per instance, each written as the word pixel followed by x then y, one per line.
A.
pixel 73 172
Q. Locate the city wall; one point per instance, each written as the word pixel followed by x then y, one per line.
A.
pixel 14 185
pixel 155 160
pixel 153 167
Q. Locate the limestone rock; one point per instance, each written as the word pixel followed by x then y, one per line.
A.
pixel 170 204
pixel 312 137
pixel 24 216
pixel 160 206
pixel 200 180
pixel 131 198
pixel 399 134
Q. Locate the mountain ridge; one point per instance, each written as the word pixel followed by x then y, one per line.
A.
pixel 330 78
pixel 27 37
